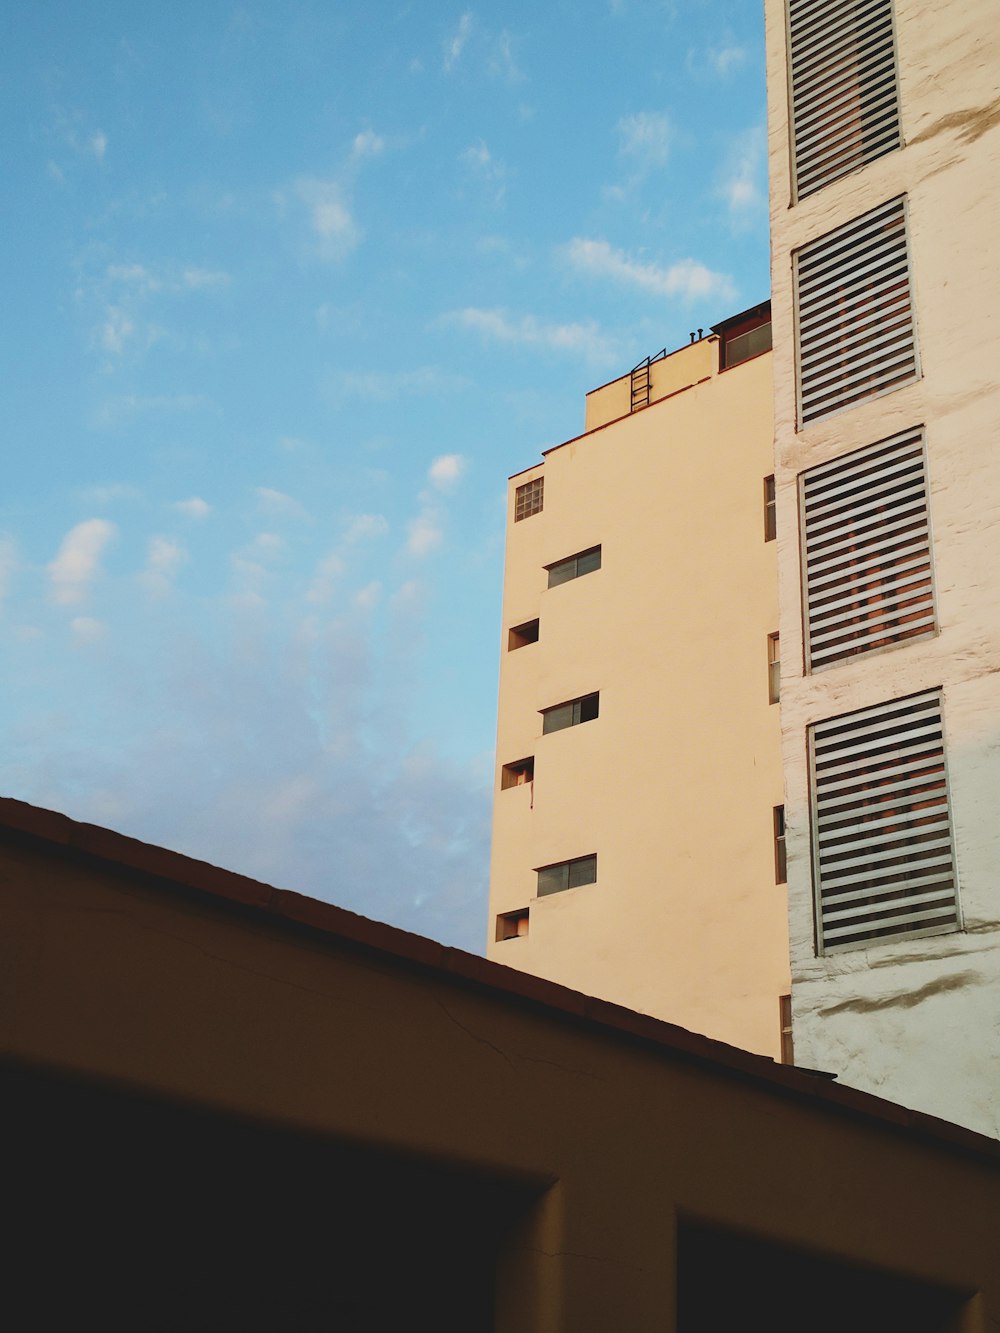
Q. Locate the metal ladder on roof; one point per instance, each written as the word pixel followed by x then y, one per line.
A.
pixel 642 380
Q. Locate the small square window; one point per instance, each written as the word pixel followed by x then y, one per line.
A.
pixel 521 635
pixel 570 714
pixel 528 499
pixel 512 925
pixel 773 668
pixel 518 773
pixel 567 875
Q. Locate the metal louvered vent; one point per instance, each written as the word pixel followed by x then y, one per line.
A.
pixel 855 334
pixel 867 557
pixel 845 101
pixel 882 847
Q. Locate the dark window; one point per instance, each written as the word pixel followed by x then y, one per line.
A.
pixel 518 773
pixel 773 668
pixel 567 875
pixel 744 341
pixel 574 567
pixel 780 862
pixel 521 635
pixel 570 714
pixel 770 512
pixel 512 925
pixel 528 499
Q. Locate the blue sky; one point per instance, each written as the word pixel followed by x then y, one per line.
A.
pixel 290 289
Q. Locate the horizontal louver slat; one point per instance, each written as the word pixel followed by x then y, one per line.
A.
pixel 884 860
pixel 866 551
pixel 845 105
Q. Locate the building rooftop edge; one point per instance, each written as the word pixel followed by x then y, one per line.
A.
pixel 94 845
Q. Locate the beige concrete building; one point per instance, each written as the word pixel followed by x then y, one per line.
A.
pixel 884 129
pixel 231 1107
pixel 637 812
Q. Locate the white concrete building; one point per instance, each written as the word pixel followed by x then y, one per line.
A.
pixel 884 142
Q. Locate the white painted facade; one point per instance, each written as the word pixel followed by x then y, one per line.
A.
pixel 916 1020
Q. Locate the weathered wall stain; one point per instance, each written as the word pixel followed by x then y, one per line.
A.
pixel 971 123
pixel 907 999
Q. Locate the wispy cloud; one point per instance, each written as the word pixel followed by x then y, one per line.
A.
pixel 502 64
pixel 110 493
pixel 8 564
pixel 195 507
pixel 744 183
pixel 86 629
pixel 277 503
pixel 445 471
pixel 647 137
pixel 528 331
pixel 77 562
pixel 367 144
pixel 325 579
pixel 424 534
pixel 455 44
pixel 98 144
pixel 381 386
pixel 363 527
pixel 687 279
pixel 334 231
pixel 164 559
pixel 115 411
pixel 489 171
pixel 719 61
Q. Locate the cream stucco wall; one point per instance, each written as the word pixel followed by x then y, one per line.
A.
pixel 674 784
pixel 916 1021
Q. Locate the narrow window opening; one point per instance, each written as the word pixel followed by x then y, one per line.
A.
pixel 770 511
pixel 521 635
pixel 773 668
pixel 570 714
pixel 567 875
pixel 518 773
pixel 785 1020
pixel 780 861
pixel 512 925
pixel 574 567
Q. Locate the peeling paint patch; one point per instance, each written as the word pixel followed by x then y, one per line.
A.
pixel 971 123
pixel 905 999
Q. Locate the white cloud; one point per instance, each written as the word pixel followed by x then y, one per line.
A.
pixel 455 44
pixel 195 507
pixel 278 503
pixel 117 330
pixel 502 63
pixel 488 170
pixel 164 559
pixel 367 144
pixel 8 564
pixel 687 279
pixel 78 560
pixel 368 596
pixel 136 276
pixel 425 534
pixel 584 339
pixel 197 279
pixel 365 526
pixel 98 144
pixel 445 471
pixel 86 629
pixel 328 571
pixel 726 58
pixel 743 185
pixel 647 135
pixel 335 231
pixel 408 597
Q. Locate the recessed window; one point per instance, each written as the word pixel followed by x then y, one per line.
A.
pixel 574 567
pixel 867 557
pixel 528 499
pixel 773 668
pixel 567 875
pixel 770 511
pixel 518 773
pixel 883 860
pixel 570 714
pixel 854 313
pixel 512 925
pixel 785 1023
pixel 845 103
pixel 744 341
pixel 780 859
pixel 521 635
